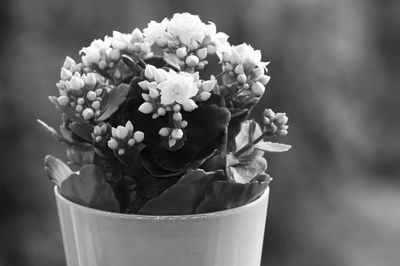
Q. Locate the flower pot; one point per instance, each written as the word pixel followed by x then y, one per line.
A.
pixel 226 238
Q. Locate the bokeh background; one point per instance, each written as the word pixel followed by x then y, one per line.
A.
pixel 335 70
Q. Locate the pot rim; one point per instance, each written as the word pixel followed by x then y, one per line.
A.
pixel 97 212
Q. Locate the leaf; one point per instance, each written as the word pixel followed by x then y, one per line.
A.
pixel 56 169
pixel 89 188
pixel 249 131
pixel 223 195
pixel 82 130
pixel 183 197
pixel 80 158
pixel 113 100
pixel 244 169
pixel 268 146
pixel 50 130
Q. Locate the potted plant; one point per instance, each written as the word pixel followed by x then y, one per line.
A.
pixel 164 165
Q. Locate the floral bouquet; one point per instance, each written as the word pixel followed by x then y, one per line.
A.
pixel 150 131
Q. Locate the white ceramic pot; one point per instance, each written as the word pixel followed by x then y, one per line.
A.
pixel 226 238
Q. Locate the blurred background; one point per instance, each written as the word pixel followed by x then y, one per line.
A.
pixel 335 69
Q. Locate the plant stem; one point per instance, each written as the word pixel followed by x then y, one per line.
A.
pixel 248 146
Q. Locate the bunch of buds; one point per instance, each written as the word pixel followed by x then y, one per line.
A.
pixel 106 55
pixel 99 132
pixel 123 138
pixel 275 124
pixel 79 91
pixel 244 67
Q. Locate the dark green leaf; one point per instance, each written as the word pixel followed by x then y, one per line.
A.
pixel 82 130
pixel 90 189
pixel 184 196
pixel 113 100
pixel 223 195
pixel 56 169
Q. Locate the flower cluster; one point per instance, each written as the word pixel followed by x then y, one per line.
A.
pixel 81 92
pixel 244 67
pixel 157 128
pixel 124 137
pixel 105 55
pixel 186 40
pixel 275 124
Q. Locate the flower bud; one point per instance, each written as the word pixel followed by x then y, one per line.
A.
pixel 91 96
pixel 69 62
pixel 129 126
pixel 137 35
pixel 160 75
pixel 121 151
pixel 131 142
pixel 264 79
pixel 153 93
pixel 80 101
pixel 99 92
pixel 149 72
pixel 171 142
pixel 189 105
pixel 258 88
pixel 208 85
pixel 181 52
pixel 242 78
pixel 97 131
pixel 63 100
pixel 79 108
pixel 121 132
pixel 76 83
pixel 115 54
pixel 205 95
pixel 193 45
pixel 177 117
pixel 269 113
pixel 65 74
pixel 192 60
pixel 102 64
pixel 281 118
pixel 146 97
pixel 202 53
pixel 138 136
pixel 184 124
pixel 161 111
pixel 239 69
pixel 177 108
pixel 112 144
pixel 146 108
pixel 164 132
pixel 143 85
pixel 87 113
pixel 177 133
pixel 90 80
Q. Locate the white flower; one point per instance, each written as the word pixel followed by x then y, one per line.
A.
pixel 187 28
pixel 155 30
pixel 179 88
pixel 247 56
